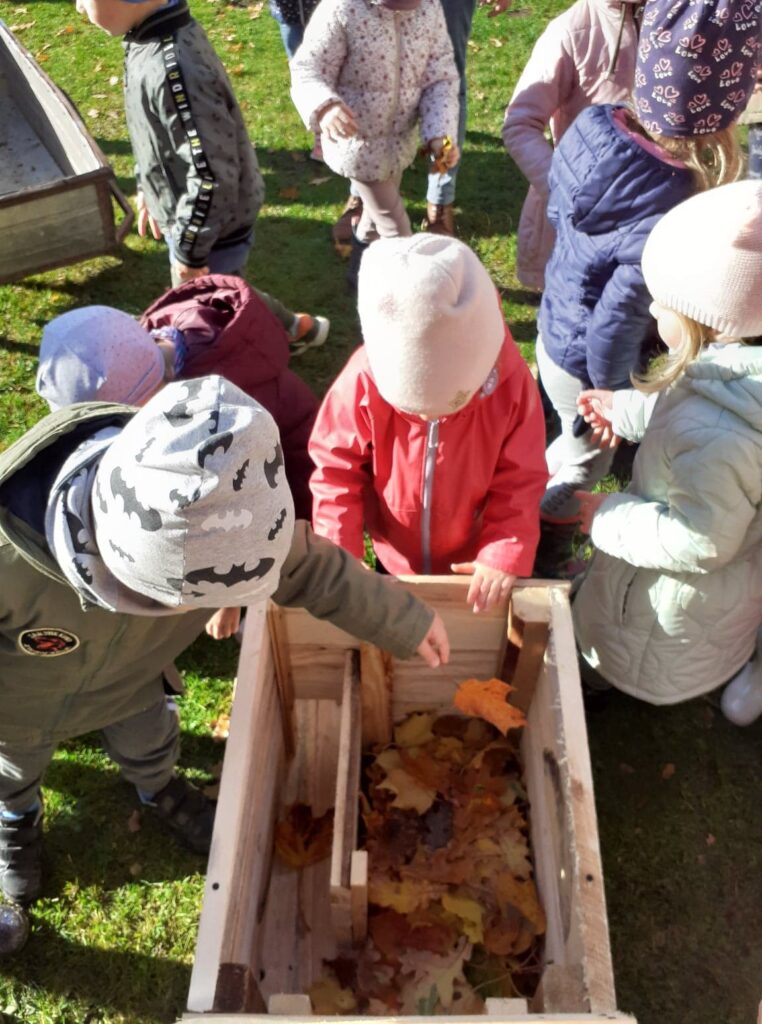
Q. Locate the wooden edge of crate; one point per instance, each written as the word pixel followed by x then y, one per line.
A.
pixel 532 1018
pixel 239 859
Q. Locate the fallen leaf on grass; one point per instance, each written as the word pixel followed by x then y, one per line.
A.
pixel 135 869
pixel 319 181
pixel 710 839
pixel 297 156
pixel 133 822
pixel 668 771
pixel 301 839
pixel 487 699
pixel 290 192
pixel 256 9
pixel 220 727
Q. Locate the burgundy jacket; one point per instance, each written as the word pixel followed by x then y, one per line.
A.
pixel 228 330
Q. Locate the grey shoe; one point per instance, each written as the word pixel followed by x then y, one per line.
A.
pixel 14 929
pixel 187 812
pixel 21 856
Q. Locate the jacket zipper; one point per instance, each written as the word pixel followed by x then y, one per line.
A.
pixel 429 465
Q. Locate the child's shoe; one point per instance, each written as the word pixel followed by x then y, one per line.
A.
pixel 188 813
pixel 308 332
pixel 344 227
pixel 21 856
pixel 14 929
pixel 741 701
pixel 439 219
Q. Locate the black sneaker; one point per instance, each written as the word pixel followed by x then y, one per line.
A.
pixel 187 812
pixel 21 856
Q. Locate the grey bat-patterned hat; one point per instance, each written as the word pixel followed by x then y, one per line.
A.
pixel 190 502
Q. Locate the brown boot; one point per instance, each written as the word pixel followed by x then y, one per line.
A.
pixel 439 219
pixel 349 219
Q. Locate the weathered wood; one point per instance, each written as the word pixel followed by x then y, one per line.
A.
pixel 289 1004
pixel 505 1007
pixel 376 695
pixel 528 631
pixel 347 800
pixel 552 1018
pixel 282 661
pixel 358 884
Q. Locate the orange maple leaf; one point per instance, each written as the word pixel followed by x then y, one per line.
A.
pixel 487 699
pixel 301 839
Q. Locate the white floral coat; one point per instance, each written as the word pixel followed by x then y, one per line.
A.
pixel 393 68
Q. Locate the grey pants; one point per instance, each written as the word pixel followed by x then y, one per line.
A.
pixel 574 463
pixel 383 212
pixel 146 747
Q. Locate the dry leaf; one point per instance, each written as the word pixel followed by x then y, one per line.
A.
pixel 405 896
pixel 521 894
pixel 301 839
pixel 329 998
pixel 487 699
pixel 414 731
pixel 496 42
pixel 133 822
pixel 291 192
pixel 409 793
pixel 319 181
pixel 220 727
pixel 22 27
pixel 135 869
pixel 432 972
pixel 114 80
pixel 668 771
pixel 41 58
pixel 470 913
pixel 92 112
pixel 710 839
pixel 65 31
pixel 297 156
pixel 256 9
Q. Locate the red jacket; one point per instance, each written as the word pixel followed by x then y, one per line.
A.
pixel 228 330
pixel 485 474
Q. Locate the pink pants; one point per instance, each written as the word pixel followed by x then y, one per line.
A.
pixel 383 211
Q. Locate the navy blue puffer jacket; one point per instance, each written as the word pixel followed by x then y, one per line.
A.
pixel 606 193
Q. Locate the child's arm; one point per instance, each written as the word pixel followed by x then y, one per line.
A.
pixel 340 448
pixel 316 67
pixel 616 415
pixel 618 326
pixel 544 86
pixel 333 585
pixel 439 106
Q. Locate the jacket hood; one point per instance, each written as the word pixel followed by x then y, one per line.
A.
pixel 605 177
pixel 731 378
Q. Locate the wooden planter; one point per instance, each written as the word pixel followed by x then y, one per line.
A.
pixel 266 928
pixel 56 187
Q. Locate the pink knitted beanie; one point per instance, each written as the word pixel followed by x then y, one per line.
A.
pixel 704 259
pixel 431 322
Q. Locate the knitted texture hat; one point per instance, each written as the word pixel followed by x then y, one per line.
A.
pixel 696 64
pixel 431 322
pixel 97 353
pixel 704 259
pixel 190 502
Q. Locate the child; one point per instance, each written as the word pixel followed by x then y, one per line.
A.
pixel 349 80
pixel 432 437
pixel 613 176
pixel 671 603
pixel 584 56
pixel 115 524
pixel 198 178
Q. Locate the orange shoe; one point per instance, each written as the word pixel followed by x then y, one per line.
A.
pixel 308 332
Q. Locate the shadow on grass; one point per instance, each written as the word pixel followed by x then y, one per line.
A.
pixel 24 347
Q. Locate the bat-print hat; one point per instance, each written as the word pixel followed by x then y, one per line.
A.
pixel 696 64
pixel 190 502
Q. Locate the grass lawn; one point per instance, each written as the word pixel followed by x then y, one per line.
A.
pixel 677 788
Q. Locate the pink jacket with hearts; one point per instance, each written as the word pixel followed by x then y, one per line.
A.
pixel 393 68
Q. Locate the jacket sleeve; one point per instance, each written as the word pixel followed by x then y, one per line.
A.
pixel 511 523
pixel 544 86
pixel 340 448
pixel 333 585
pixel 209 189
pixel 714 490
pixel 618 327
pixel 318 61
pixel 440 85
pixel 631 413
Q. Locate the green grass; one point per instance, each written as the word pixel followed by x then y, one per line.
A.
pixel 113 940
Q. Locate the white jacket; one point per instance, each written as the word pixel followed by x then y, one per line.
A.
pixel 566 72
pixel 670 605
pixel 393 68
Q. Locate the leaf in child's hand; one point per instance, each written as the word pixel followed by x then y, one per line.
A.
pixel 487 699
pixel 290 192
pixel 301 839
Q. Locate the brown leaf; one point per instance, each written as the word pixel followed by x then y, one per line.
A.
pixel 668 771
pixel 392 838
pixel 521 894
pixel 433 974
pixel 329 998
pixel 487 699
pixel 405 896
pixel 220 727
pixel 133 822
pixel 301 839
pixel 710 839
pixel 298 156
pixel 319 181
pixel 290 192
pixel 135 869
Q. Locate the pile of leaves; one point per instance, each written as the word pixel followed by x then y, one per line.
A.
pixel 454 914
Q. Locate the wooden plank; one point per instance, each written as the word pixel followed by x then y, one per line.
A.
pixel 541 1018
pixel 505 1007
pixel 528 631
pixel 347 799
pixel 289 1004
pixel 279 641
pixel 237 872
pixel 358 883
pixel 376 695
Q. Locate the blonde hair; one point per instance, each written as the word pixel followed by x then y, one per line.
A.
pixel 714 159
pixel 665 369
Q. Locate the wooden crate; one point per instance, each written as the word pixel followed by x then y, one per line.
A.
pixel 265 928
pixel 56 187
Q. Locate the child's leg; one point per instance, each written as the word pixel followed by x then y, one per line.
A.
pixel 383 209
pixel 21 771
pixel 291 37
pixel 575 463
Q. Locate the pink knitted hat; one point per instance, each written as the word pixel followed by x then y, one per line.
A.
pixel 431 322
pixel 704 259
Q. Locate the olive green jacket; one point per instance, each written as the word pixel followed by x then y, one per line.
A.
pixel 68 667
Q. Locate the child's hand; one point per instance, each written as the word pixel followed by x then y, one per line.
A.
pixel 337 121
pixel 224 623
pixel 444 153
pixel 488 585
pixel 595 406
pixel 435 646
pixel 145 219
pixel 185 273
pixel 588 506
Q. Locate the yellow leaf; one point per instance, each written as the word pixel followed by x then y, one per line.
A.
pixel 411 795
pixel 301 838
pixel 414 731
pixel 329 998
pixel 521 894
pixel 405 896
pixel 434 976
pixel 470 913
pixel 487 699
